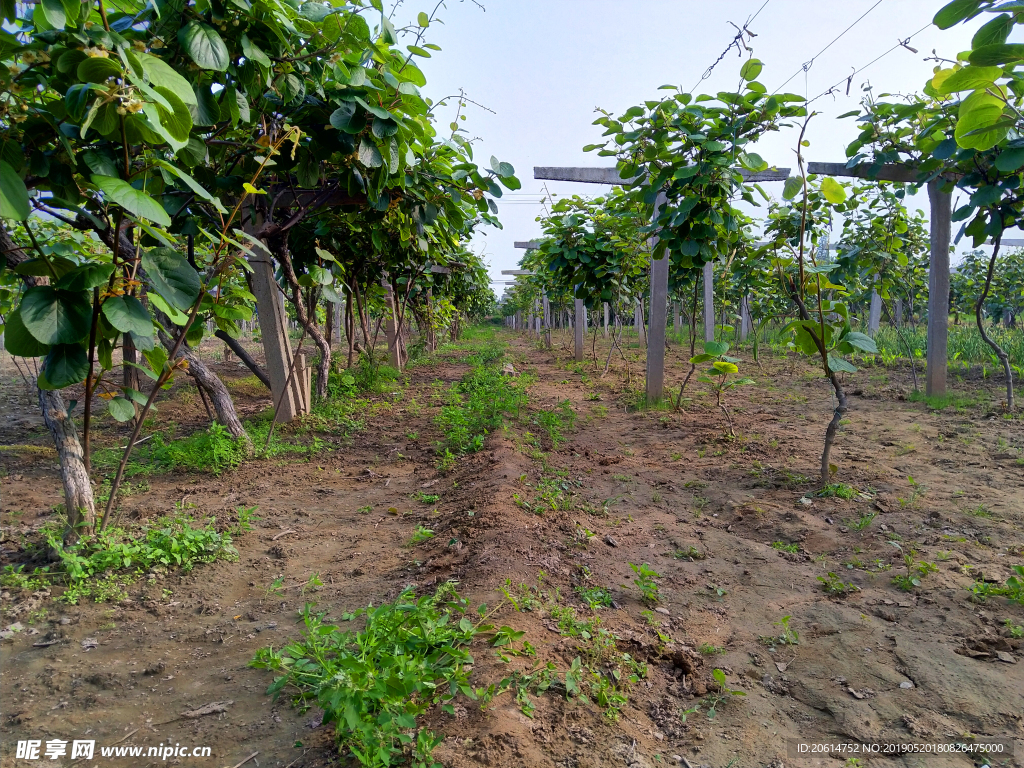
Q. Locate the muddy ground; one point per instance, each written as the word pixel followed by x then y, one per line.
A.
pixel 666 488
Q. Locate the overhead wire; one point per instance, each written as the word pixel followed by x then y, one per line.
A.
pixel 902 43
pixel 806 66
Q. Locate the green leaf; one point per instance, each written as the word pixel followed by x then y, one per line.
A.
pixel 723 367
pixel 1010 160
pixel 861 341
pixel 997 54
pixel 131 199
pixel 369 155
pixel 157 359
pixel 176 317
pixel 348 118
pixel 955 12
pixel 66 364
pixel 54 316
pixel 702 358
pixel 966 79
pixel 204 45
pixel 178 120
pixel 978 111
pixel 18 341
pixel 53 12
pixel 85 277
pixel 751 69
pixel 840 365
pixel 833 190
pixel 383 129
pixel 793 186
pixel 415 50
pixel 423 20
pixel 127 315
pixel 254 53
pixel 121 409
pixel 160 73
pixel 97 69
pixel 172 277
pixel 716 348
pixel 993 32
pixel 13 194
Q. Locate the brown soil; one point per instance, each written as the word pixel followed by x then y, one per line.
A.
pixel 878 665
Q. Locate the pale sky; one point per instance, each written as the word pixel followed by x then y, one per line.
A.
pixel 544 66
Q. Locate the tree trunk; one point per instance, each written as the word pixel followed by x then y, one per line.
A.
pixel 78 498
pixel 207 380
pixel 978 307
pixel 244 356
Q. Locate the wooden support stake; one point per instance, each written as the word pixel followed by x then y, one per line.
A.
pixel 709 302
pixel 938 289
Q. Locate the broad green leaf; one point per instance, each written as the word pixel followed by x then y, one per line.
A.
pixel 18 341
pixel 172 277
pixel 751 69
pixel 833 190
pixel 978 111
pixel 861 341
pixel 53 11
pixel 133 200
pixel 54 316
pixel 793 186
pixel 127 314
pixel 840 365
pixel 993 32
pixel 997 54
pixel 1010 160
pixel 176 317
pixel 423 20
pixel 953 13
pixel 348 118
pixel 13 194
pixel 85 277
pixel 415 50
pixel 192 184
pixel 965 79
pixel 205 46
pixel 178 120
pixel 254 53
pixel 161 73
pixel 121 409
pixel 157 359
pixel 716 348
pixel 723 367
pixel 65 364
pixel 369 155
pixel 97 69
pixel 702 358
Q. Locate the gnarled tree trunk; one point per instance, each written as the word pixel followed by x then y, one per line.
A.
pixel 78 497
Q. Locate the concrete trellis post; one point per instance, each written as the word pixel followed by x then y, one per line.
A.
pixel 677 321
pixel 294 400
pixel 938 290
pixel 744 318
pixel 658 318
pixel 547 322
pixel 580 329
pixel 875 313
pixel 604 304
pixel 391 327
pixel 709 302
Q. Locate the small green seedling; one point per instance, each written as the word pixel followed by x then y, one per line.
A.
pixel 720 374
pixel 644 581
pixel 835 586
pixel 724 692
pixel 421 534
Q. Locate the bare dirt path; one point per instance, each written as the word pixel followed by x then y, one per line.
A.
pixel 667 489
